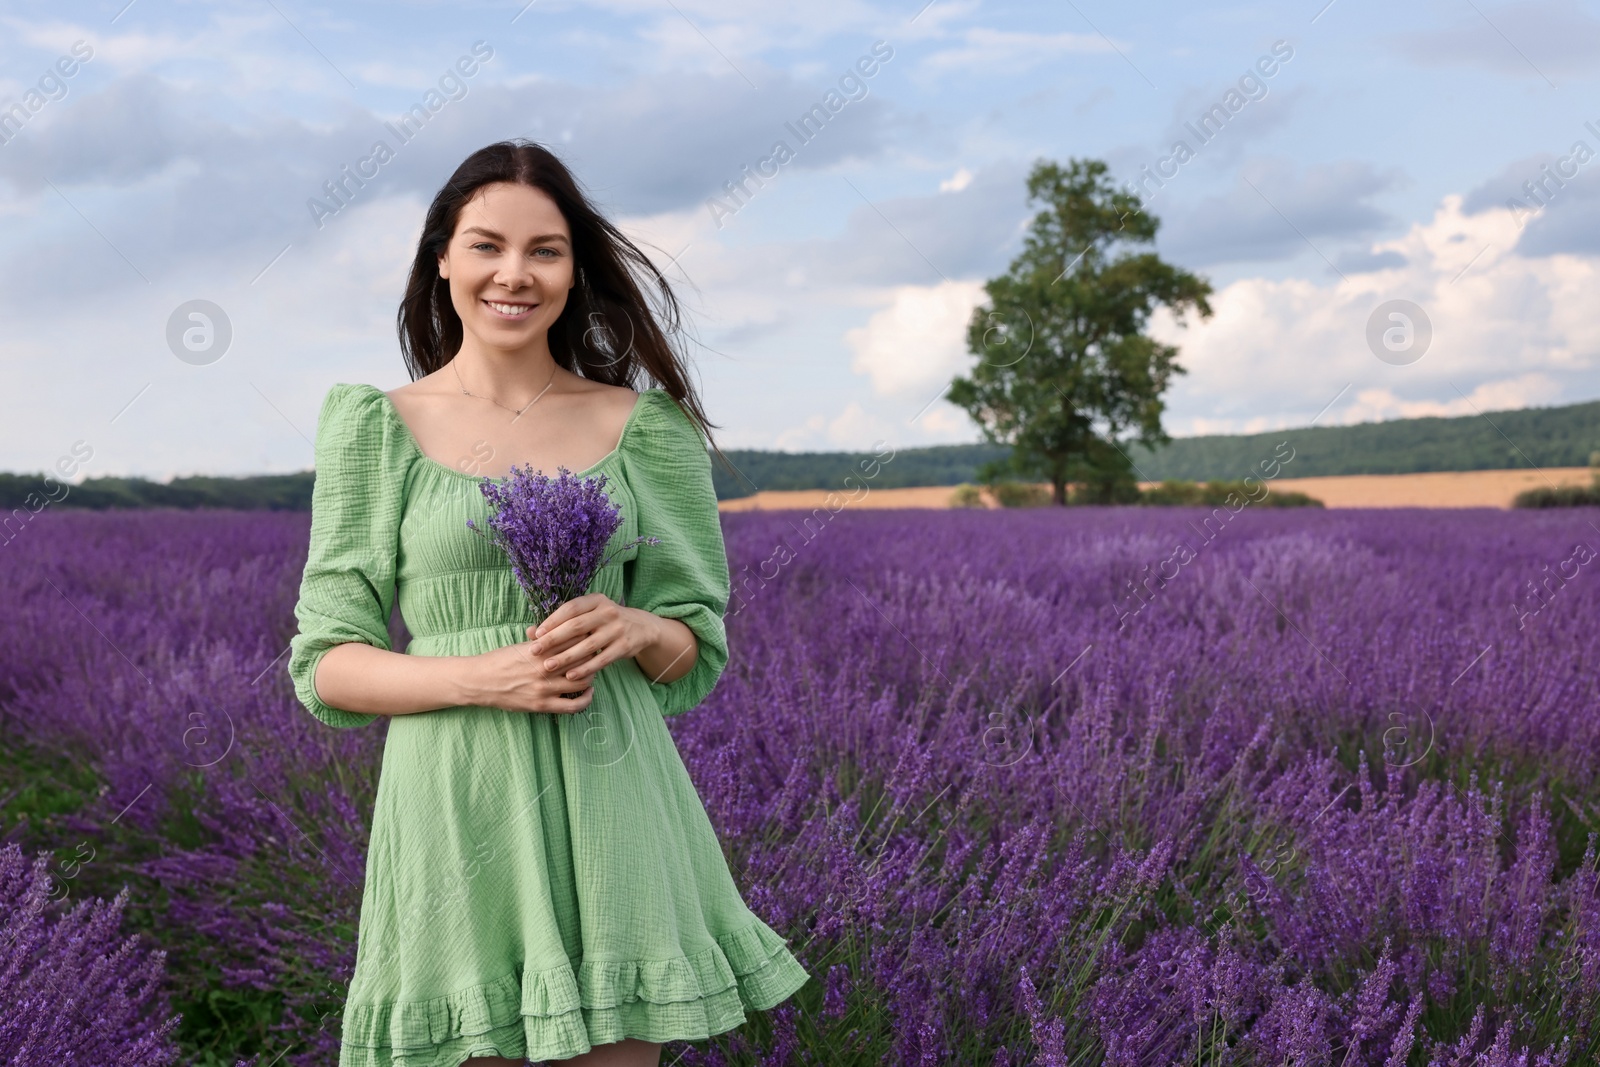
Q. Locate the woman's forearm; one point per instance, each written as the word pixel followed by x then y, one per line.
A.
pixel 671 654
pixel 355 676
pixel 359 677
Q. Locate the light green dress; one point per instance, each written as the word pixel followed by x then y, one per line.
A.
pixel 536 883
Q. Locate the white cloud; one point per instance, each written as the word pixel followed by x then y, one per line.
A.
pixel 243 44
pixel 1508 331
pixel 909 348
pixel 852 430
pixel 957 181
pixel 988 51
pixel 1526 390
pixel 947 422
pixel 919 340
pixel 860 429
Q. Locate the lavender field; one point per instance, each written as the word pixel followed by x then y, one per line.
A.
pixel 1047 786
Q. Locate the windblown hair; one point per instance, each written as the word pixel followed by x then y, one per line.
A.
pixel 608 332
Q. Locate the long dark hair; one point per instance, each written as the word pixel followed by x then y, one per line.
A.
pixel 607 332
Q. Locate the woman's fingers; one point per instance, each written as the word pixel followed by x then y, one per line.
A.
pixel 601 653
pixel 568 610
pixel 570 622
pixel 581 657
pixel 575 640
pixel 569 700
pixel 554 644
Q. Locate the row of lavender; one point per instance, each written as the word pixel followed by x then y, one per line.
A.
pixel 1026 787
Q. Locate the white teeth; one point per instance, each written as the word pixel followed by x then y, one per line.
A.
pixel 507 309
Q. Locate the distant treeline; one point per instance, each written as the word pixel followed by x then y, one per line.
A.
pixel 901 469
pixel 1499 440
pixel 1538 437
pixel 266 492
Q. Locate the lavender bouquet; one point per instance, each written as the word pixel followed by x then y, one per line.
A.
pixel 554 531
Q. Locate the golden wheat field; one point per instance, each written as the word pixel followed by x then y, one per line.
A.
pixel 1444 489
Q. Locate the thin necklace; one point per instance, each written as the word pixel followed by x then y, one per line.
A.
pixel 492 400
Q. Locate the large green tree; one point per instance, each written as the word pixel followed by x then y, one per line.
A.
pixel 1066 374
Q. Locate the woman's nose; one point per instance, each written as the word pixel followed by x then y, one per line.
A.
pixel 514 273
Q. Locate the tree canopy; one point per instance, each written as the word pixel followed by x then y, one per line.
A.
pixel 1067 375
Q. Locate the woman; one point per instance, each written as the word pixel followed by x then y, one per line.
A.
pixel 543 881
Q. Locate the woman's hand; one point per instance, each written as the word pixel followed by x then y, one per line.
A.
pixel 511 679
pixel 588 632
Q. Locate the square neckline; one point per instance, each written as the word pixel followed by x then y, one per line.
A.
pixel 416 446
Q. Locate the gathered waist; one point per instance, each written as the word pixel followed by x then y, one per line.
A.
pixel 509 624
pixel 469 640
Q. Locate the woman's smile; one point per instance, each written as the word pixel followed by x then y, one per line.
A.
pixel 512 312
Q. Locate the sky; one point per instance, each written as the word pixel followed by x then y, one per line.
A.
pixel 1396 204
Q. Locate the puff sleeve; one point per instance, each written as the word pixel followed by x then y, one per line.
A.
pixel 685 577
pixel 348 587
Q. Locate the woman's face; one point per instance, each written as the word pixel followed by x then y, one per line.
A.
pixel 509 264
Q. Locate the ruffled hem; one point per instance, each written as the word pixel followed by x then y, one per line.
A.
pixel 559 1013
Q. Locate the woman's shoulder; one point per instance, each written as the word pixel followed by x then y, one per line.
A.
pixel 659 418
pixel 662 447
pixel 353 398
pixel 349 402
pixel 357 417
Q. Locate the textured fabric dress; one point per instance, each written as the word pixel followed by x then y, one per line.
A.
pixel 536 883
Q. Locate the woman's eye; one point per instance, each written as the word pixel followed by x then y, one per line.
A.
pixel 482 244
pixel 552 251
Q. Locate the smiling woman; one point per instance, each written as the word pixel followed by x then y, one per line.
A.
pixel 537 886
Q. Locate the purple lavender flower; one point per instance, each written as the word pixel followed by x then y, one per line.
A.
pixel 1188 854
pixel 554 531
pixel 74 987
